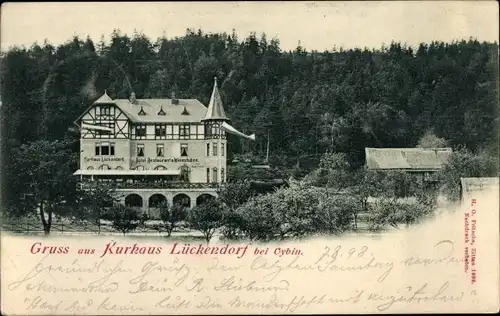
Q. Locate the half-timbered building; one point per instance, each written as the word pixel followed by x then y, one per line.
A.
pixel 151 150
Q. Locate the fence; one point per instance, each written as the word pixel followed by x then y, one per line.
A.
pixel 56 227
pixel 61 227
pixel 155 185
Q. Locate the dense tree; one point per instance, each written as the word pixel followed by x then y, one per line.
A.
pixel 336 213
pixel 306 103
pixel 231 196
pixel 171 215
pixel 296 212
pixel 206 218
pixel 464 163
pixel 429 140
pixel 123 218
pixel 93 201
pixel 44 183
pixel 393 213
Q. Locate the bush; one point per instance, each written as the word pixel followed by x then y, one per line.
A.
pixel 231 196
pixel 335 214
pixel 391 212
pixel 123 218
pixel 430 140
pixel 464 163
pixel 295 212
pixel 206 218
pixel 171 216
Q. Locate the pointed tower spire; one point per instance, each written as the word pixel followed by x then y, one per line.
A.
pixel 104 99
pixel 215 110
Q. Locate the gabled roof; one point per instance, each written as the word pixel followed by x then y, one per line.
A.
pixel 412 159
pixel 215 109
pixel 166 110
pixel 104 99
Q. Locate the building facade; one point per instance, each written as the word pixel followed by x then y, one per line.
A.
pixel 422 161
pixel 151 150
pixel 484 190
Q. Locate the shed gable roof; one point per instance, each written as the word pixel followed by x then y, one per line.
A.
pixel 406 158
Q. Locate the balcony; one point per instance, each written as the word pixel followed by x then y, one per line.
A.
pixel 154 185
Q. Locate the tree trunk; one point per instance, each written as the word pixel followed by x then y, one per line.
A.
pixel 46 223
pixel 332 138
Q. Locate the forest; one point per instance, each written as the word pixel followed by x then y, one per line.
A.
pixel 303 103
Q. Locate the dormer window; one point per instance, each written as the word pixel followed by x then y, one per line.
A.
pixel 141 112
pixel 161 112
pixel 185 112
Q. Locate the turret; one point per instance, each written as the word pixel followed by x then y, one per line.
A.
pixel 214 118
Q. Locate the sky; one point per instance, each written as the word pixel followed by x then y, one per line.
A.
pixel 317 25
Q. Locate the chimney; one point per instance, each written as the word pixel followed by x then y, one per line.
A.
pixel 174 100
pixel 133 100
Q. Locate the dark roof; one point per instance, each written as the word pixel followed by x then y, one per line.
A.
pixel 413 159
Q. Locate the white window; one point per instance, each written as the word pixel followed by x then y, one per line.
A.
pixel 104 149
pixel 214 176
pixel 170 131
pixel 140 131
pixel 214 149
pixel 161 131
pixel 222 149
pixel 140 150
pixel 215 130
pixel 160 152
pixel 185 173
pixel 184 131
pixel 184 150
pixel 105 110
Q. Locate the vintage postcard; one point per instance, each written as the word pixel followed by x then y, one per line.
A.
pixel 199 158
